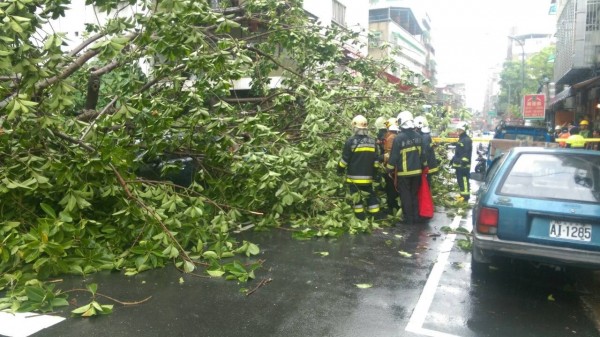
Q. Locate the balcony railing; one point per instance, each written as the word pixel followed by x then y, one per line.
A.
pixel 577 41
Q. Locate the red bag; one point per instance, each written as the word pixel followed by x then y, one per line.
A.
pixel 426 207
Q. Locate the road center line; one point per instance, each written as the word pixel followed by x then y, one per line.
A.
pixel 415 324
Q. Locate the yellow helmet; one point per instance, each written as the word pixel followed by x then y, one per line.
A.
pixel 359 122
pixel 391 122
pixel 584 122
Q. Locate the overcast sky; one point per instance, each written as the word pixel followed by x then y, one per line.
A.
pixel 470 37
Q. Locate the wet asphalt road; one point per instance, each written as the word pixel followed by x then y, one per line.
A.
pixel 314 295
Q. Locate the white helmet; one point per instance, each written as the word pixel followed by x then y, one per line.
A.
pixel 359 122
pixel 380 123
pixel 405 120
pixel 420 122
pixel 462 126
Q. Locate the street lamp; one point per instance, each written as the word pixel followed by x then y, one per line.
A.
pixel 521 43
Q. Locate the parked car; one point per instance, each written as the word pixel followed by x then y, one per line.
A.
pixel 541 205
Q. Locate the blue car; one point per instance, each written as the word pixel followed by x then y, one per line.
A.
pixel 541 205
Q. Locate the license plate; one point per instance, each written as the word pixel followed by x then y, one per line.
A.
pixel 570 231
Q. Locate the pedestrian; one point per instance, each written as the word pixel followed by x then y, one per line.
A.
pixel 583 129
pixel 575 140
pixel 406 163
pixel 422 127
pixel 462 161
pixel 359 161
pixel 564 134
pixel 557 130
pixel 390 180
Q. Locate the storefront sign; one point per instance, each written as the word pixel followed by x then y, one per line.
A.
pixel 534 107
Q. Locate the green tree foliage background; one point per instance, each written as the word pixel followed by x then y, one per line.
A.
pixel 538 68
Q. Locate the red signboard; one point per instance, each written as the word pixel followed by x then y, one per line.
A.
pixel 534 106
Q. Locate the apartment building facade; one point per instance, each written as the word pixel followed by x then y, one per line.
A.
pixel 577 64
pixel 407 30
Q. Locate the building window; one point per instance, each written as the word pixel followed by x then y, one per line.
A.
pixel 338 13
pixel 592 22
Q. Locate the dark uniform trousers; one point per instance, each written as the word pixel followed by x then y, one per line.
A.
pixel 464 186
pixel 408 188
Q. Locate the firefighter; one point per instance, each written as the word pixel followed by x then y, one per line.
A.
pixel 406 163
pixel 359 161
pixel 422 127
pixel 462 161
pixel 390 180
pixel 381 126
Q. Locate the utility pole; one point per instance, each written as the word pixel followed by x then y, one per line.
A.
pixel 521 43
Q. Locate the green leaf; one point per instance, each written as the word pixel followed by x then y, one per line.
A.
pixel 48 210
pixel 35 294
pixel 215 273
pixel 404 254
pixel 364 285
pixel 252 249
pixel 188 266
pixel 92 287
pixel 209 254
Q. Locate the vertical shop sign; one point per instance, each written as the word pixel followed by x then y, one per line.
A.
pixel 534 106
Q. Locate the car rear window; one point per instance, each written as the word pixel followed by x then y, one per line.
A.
pixel 564 176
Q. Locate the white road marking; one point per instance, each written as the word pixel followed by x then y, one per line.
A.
pixel 25 324
pixel 415 324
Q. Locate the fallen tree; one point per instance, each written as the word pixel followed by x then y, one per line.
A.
pixel 94 136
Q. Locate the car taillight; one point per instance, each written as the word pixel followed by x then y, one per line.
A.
pixel 487 221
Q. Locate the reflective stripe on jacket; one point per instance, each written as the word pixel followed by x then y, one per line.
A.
pixel 359 159
pixel 462 152
pixel 407 156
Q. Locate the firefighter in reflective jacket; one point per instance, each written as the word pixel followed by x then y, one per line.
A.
pixel 359 160
pixel 406 162
pixel 422 127
pixel 462 161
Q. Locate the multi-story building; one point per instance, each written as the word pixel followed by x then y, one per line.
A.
pixel 399 27
pixel 451 97
pixel 350 14
pixel 577 64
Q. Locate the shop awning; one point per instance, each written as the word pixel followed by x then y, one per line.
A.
pixel 587 83
pixel 561 96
